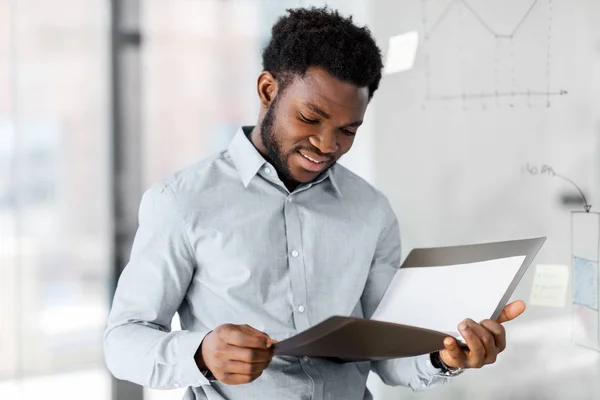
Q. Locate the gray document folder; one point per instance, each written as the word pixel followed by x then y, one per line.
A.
pixel 347 339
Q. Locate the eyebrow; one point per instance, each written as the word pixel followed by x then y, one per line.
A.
pixel 323 114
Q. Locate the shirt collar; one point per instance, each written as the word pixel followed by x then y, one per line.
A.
pixel 248 160
pixel 332 179
pixel 244 155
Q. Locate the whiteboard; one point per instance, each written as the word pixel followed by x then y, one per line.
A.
pixel 500 90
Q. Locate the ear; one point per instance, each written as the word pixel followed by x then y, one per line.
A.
pixel 267 88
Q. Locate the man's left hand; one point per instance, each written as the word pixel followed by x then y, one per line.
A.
pixel 485 340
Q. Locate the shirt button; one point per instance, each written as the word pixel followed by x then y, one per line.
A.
pixel 295 253
pixel 268 170
pixel 306 359
pixel 301 309
pixel 289 199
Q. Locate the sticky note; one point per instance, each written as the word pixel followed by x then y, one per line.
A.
pixel 401 53
pixel 550 285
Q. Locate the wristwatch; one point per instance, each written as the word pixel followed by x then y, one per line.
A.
pixel 445 370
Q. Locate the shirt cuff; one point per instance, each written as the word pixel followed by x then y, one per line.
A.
pixel 189 342
pixel 425 365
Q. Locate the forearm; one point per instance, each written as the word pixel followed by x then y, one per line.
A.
pixel 416 373
pixel 140 353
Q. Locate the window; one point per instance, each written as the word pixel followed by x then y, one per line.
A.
pixel 55 226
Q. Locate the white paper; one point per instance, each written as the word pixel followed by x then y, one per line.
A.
pixel 401 52
pixel 550 285
pixel 440 298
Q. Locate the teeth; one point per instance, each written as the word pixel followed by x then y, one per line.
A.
pixel 315 161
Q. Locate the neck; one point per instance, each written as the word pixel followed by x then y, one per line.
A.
pixel 256 140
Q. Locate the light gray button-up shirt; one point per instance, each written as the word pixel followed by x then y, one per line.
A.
pixel 224 241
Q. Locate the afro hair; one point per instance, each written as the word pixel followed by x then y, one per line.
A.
pixel 320 37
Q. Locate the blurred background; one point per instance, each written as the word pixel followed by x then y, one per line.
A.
pixel 100 98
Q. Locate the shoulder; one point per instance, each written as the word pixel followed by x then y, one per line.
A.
pixel 181 188
pixel 196 177
pixel 361 192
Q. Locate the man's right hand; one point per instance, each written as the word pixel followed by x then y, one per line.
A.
pixel 235 354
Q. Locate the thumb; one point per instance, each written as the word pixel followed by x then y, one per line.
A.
pixel 512 311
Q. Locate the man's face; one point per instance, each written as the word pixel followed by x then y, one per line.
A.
pixel 309 126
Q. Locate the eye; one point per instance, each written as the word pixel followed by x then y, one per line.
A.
pixel 348 132
pixel 307 120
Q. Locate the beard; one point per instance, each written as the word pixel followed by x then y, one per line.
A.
pixel 273 145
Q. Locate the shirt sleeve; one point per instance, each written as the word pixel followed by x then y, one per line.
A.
pixel 138 343
pixel 416 373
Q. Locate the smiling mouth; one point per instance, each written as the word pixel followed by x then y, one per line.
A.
pixel 316 160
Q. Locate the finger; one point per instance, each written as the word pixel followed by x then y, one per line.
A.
pixel 238 379
pixel 487 340
pixel 244 336
pixel 512 311
pixel 498 331
pixel 476 353
pixel 270 341
pixel 455 352
pixel 247 355
pixel 253 331
pixel 240 367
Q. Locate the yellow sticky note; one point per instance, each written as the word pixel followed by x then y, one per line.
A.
pixel 550 285
pixel 401 53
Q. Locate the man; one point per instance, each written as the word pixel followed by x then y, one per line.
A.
pixel 271 237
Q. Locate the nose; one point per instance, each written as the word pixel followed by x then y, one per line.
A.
pixel 325 142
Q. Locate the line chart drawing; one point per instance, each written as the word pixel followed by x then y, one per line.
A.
pixel 483 95
pixel 476 14
pixel 502 82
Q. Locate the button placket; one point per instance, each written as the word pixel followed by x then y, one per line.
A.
pixel 296 265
